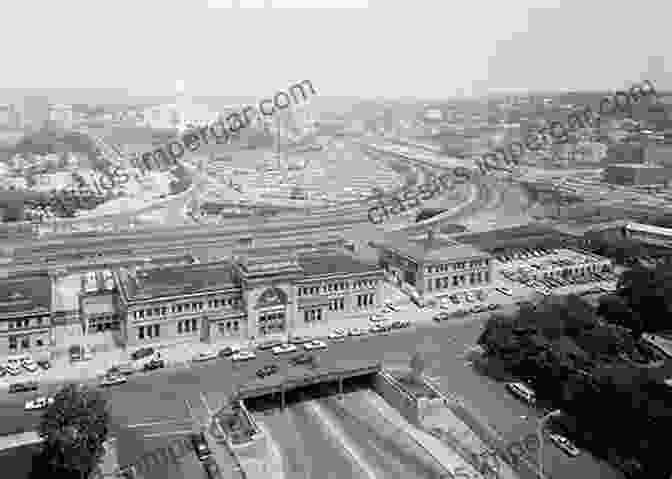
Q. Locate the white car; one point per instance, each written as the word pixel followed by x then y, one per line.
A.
pixel 377 318
pixel 38 403
pixel 205 356
pixel 355 332
pixel 315 344
pixel 113 380
pixel 284 348
pixel 243 356
pixel 337 335
pixel 29 364
pixel 565 444
pixel 505 291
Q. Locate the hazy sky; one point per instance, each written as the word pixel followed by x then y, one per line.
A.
pixel 392 48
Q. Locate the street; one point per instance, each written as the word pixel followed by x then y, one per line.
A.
pixel 153 405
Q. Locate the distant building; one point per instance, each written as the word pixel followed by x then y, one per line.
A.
pixel 637 174
pixel 61 115
pixel 35 112
pixel 9 117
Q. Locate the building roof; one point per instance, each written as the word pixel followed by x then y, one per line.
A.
pixel 176 280
pixel 326 262
pixel 436 249
pixel 491 239
pixel 25 294
pixel 635 165
pixel 650 229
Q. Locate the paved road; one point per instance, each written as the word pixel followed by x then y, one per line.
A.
pixel 160 396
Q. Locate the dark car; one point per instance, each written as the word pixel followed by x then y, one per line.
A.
pixel 154 364
pixel 142 353
pixel 226 352
pixel 23 387
pixel 267 370
pixel 200 446
pixel 303 358
pixel 44 363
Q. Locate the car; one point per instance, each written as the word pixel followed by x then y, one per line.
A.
pixel 38 403
pixel 284 348
pixel 454 299
pixel 480 294
pixel 13 369
pixel 355 332
pixel 391 306
pixel 522 391
pixel 228 351
pixel 267 370
pixel 125 369
pixel 3 371
pixel 376 318
pixel 23 387
pixel 479 309
pixel 337 335
pixel 441 317
pixel 303 358
pixel 377 328
pixel 270 344
pixel 460 312
pixel 298 340
pixel 200 446
pixel 142 353
pixel 315 344
pixel 211 468
pixel 405 323
pixel 29 365
pixel 44 363
pixel 505 291
pixel 113 380
pixel 204 356
pixel 243 356
pixel 494 306
pixel 469 297
pixel 565 444
pixel 154 364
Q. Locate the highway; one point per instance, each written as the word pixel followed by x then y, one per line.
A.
pixel 141 407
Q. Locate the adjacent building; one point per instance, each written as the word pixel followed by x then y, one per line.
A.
pixel 25 315
pixel 434 265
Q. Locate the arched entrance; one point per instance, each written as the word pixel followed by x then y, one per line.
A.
pixel 272 312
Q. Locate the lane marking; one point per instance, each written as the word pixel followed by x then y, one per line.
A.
pixel 169 433
pixel 155 423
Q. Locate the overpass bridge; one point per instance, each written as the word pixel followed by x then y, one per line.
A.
pixel 319 381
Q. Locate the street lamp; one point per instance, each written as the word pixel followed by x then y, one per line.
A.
pixel 540 429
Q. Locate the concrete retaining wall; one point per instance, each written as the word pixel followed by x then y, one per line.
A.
pixel 390 390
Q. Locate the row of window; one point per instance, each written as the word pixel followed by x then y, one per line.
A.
pixel 228 327
pixel 458 280
pixel 310 315
pixel 23 323
pixel 271 318
pixel 150 331
pixel 337 304
pixel 187 326
pixel 25 342
pixel 366 283
pixel 271 323
pixel 365 300
pixel 332 287
pixel 186 307
pixel 442 268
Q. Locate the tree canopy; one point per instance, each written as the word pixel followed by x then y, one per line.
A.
pixel 74 429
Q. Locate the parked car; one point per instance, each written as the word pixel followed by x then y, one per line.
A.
pixel 391 306
pixel 565 444
pixel 505 291
pixel 142 353
pixel 522 391
pixel 298 340
pixel 268 344
pixel 267 370
pixel 38 403
pixel 494 306
pixel 113 380
pixel 44 363
pixel 13 368
pixel 454 299
pixel 355 332
pixel 376 318
pixel 284 348
pixel 23 387
pixel 469 297
pixel 228 351
pixel 211 468
pixel 200 446
pixel 154 364
pixel 315 344
pixel 243 356
pixel 29 365
pixel 377 328
pixel 338 335
pixel 303 358
pixel 205 356
pixel 441 317
pixel 125 369
pixel 404 323
pixel 3 371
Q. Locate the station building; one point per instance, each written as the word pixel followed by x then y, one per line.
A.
pixel 25 315
pixel 434 265
pixel 264 293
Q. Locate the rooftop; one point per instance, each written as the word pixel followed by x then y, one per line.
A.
pixel 176 280
pixel 25 294
pixel 435 249
pixel 324 262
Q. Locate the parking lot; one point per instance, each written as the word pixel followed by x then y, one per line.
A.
pixel 560 271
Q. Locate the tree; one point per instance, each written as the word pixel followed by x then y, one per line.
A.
pixel 74 429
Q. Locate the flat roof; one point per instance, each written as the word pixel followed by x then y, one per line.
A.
pixel 436 249
pixel 635 165
pixel 495 238
pixel 25 294
pixel 177 280
pixel 324 262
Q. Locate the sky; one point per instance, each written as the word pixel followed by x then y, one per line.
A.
pixel 385 48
